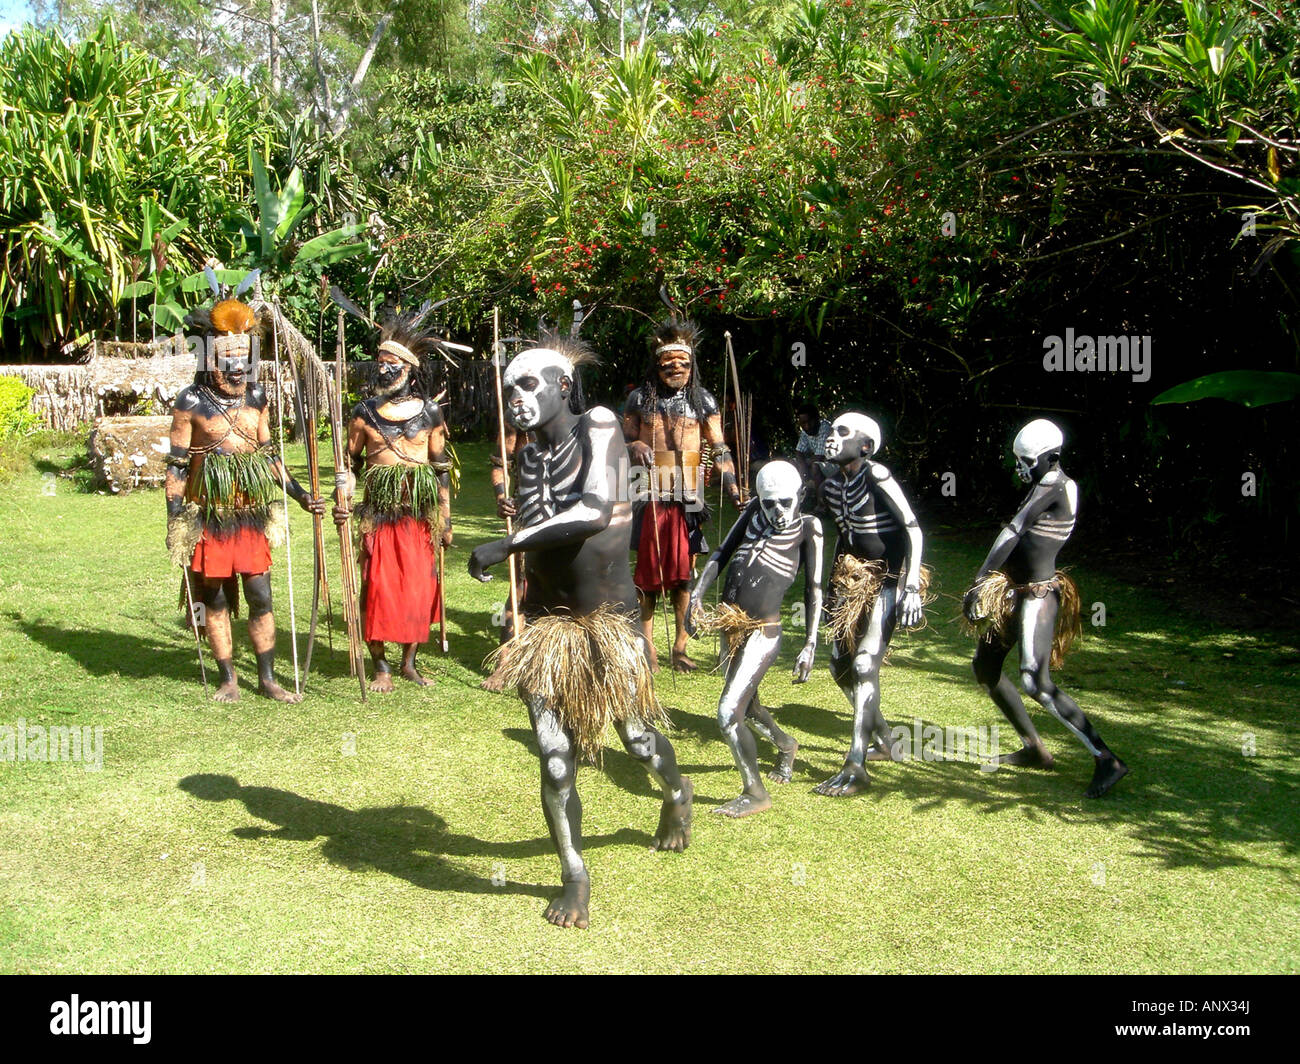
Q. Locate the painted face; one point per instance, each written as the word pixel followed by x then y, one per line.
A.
pixel 675 368
pixel 234 363
pixel 853 436
pixel 535 387
pixel 392 376
pixel 1033 447
pixel 780 491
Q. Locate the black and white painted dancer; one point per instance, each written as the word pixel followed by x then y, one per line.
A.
pixel 766 548
pixel 1020 596
pixel 580 661
pixel 877 582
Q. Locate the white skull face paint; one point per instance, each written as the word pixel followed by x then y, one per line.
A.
pixel 849 434
pixel 1032 442
pixel 526 386
pixel 780 490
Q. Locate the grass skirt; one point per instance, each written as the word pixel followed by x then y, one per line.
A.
pixel 591 670
pixel 995 602
pixel 735 625
pixel 855 583
pixel 393 492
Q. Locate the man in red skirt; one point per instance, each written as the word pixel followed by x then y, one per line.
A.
pixel 666 421
pixel 224 485
pixel 397 444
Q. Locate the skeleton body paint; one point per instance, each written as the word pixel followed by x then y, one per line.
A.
pixel 574 532
pixel 762 555
pixel 507 508
pixel 876 525
pixel 1031 603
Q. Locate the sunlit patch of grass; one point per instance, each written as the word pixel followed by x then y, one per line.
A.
pixel 405 834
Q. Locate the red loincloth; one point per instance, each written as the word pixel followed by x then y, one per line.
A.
pixel 222 555
pixel 400 601
pixel 653 573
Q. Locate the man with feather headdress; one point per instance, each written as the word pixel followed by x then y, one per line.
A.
pixel 397 443
pixel 666 421
pixel 223 481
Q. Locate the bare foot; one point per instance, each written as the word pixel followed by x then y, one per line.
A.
pixel 674 832
pixel 1109 771
pixel 681 663
pixel 784 767
pixel 274 691
pixel 745 805
pixel 383 682
pixel 493 683
pixel 878 753
pixel 570 908
pixel 409 672
pixel 1028 757
pixel 227 692
pixel 851 779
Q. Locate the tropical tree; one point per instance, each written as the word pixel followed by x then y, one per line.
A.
pixel 101 148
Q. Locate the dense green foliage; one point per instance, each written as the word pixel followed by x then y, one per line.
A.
pixel 94 139
pixel 888 203
pixel 16 416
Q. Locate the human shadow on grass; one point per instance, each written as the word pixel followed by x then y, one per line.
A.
pixel 408 842
pixel 1181 806
pixel 116 653
pixel 476 638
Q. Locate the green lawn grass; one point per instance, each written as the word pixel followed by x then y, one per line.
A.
pixel 406 834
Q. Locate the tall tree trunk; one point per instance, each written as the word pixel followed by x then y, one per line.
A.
pixel 340 119
pixel 645 21
pixel 324 102
pixel 274 22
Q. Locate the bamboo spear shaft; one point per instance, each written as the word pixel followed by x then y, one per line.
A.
pixel 348 570
pixel 497 358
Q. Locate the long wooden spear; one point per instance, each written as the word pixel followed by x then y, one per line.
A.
pixel 284 489
pixel 348 567
pixel 498 357
pixel 742 422
pixel 194 627
pixel 306 389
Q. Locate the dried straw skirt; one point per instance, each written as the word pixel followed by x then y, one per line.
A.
pixel 996 598
pixel 590 670
pixel 855 583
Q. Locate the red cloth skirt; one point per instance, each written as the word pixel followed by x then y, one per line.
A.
pixel 222 555
pixel 400 599
pixel 663 561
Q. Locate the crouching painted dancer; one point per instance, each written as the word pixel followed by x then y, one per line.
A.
pixel 579 663
pixel 877 582
pixel 397 445
pixel 1019 596
pixel 766 548
pixel 224 484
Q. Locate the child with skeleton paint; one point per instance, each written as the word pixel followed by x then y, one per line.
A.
pixel 1019 596
pixel 766 548
pixel 877 583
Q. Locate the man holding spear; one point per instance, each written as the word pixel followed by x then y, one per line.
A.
pixel 223 481
pixel 397 443
pixel 666 422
